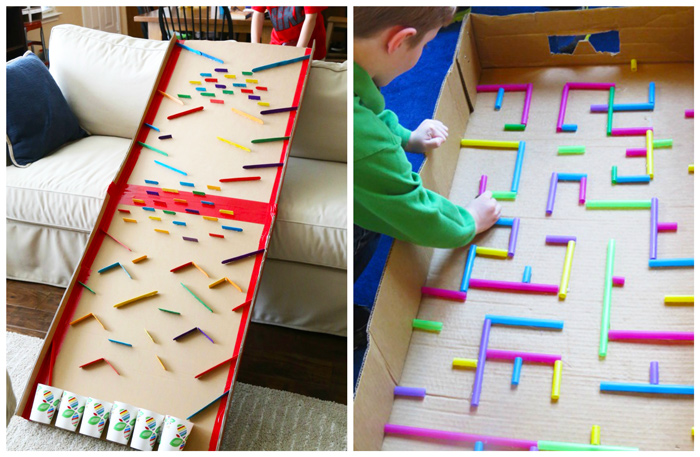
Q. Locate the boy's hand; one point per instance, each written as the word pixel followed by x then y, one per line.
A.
pixel 429 135
pixel 485 211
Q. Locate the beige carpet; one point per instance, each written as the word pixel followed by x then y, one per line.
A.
pixel 260 419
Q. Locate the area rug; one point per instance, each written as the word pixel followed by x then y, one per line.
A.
pixel 260 419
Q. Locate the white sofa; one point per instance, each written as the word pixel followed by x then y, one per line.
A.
pixel 52 205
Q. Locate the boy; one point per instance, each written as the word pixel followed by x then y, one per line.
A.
pixel 388 197
pixel 292 26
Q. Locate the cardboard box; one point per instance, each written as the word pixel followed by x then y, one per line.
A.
pixel 195 149
pixel 514 49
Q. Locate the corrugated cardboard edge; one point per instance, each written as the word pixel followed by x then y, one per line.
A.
pixel 398 298
pixel 522 40
pixel 28 394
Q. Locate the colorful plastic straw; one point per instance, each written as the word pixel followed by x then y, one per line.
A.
pixel 482 184
pixel 623 107
pixel 499 99
pixel 678 299
pixel 552 193
pixel 654 373
pixel 185 113
pixel 566 150
pixel 444 293
pixel 524 322
pixel 518 167
pixel 200 53
pixel 665 389
pixel 281 63
pixel 670 263
pixel 611 105
pixel 667 226
pixel 392 429
pixel 469 143
pixel 653 242
pixel 526 106
pixel 527 274
pixel 560 446
pixel 464 363
pixel 513 286
pixel 571 176
pixel 131 300
pixel 430 326
pixel 504 195
pixel 243 256
pixel 650 335
pixel 153 149
pixel 481 362
pixel 595 435
pixel 582 191
pixel 556 380
pixel 468 267
pixel 526 356
pixel 209 404
pixel 513 237
pixel 409 391
pixel 690 113
pixel 607 295
pixel 505 221
pixel 171 168
pixel 559 239
pixel 565 95
pixel 631 131
pixel 618 281
pixel 632 179
pixel 566 273
pixel 491 252
pixel 613 173
pixel 618 204
pixel 479 446
pixel 650 153
pixel 208 370
pixel 517 367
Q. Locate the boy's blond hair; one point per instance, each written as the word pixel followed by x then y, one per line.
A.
pixel 369 21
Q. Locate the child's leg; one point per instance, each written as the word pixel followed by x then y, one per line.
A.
pixel 365 243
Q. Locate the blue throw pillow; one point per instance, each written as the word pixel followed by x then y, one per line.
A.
pixel 39 119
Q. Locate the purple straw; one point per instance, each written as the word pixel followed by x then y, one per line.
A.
pixel 582 191
pixel 479 377
pixel 513 237
pixel 165 137
pixel 654 373
pixel 221 70
pixel 534 448
pixel 253 97
pixel 279 110
pixel 264 165
pixel 409 391
pixel 233 259
pixel 186 333
pixel 187 238
pixel 482 184
pixel 559 239
pixel 552 193
pixel 654 237
pixel 205 335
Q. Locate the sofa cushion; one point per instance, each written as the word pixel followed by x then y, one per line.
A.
pixel 322 126
pixel 67 188
pixel 106 78
pixel 311 221
pixel 38 118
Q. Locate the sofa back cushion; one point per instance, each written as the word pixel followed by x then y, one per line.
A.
pixel 106 78
pixel 38 118
pixel 322 126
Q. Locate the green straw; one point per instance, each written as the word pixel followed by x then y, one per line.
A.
pixel 87 287
pixel 504 195
pixel 663 143
pixel 168 311
pixel 152 148
pixel 571 150
pixel 207 94
pixel 228 92
pixel 559 446
pixel 610 109
pixel 169 212
pixel 196 192
pixel 198 299
pixel 267 140
pixel 184 96
pixel 607 294
pixel 248 73
pixel 618 204
pixel 613 174
pixel 514 127
pixel 430 326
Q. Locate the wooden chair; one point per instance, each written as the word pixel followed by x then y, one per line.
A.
pixel 186 25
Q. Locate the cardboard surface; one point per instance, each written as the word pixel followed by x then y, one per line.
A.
pixel 527 411
pixel 194 149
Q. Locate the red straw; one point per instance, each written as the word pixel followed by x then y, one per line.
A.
pixel 185 113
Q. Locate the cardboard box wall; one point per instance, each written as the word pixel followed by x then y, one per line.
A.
pixel 514 49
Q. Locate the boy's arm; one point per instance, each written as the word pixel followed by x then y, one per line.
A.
pixel 391 199
pixel 307 29
pixel 256 26
pixel 391 120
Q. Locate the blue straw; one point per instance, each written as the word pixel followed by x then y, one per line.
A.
pixel 281 63
pixel 468 269
pixel 652 94
pixel 499 98
pixel 188 184
pixel 527 274
pixel 571 176
pixel 665 389
pixel 517 366
pixel 524 322
pixel 108 267
pixel 569 128
pixel 505 221
pixel 152 127
pixel 172 168
pixel 632 179
pixel 664 263
pixel 479 445
pixel 226 227
pixel 214 401
pixel 119 342
pixel 518 167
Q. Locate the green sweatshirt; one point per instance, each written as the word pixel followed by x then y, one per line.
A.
pixel 389 197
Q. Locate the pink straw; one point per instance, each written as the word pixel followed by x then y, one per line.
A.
pixel 636 152
pixel 562 106
pixel 482 184
pixel 444 293
pixel 618 281
pixel 526 107
pixel 650 335
pixel 667 226
pixel 505 87
pixel 690 113
pixel 631 131
pixel 526 356
pixel 515 286
pixel 392 429
pixel 590 86
pixel 582 191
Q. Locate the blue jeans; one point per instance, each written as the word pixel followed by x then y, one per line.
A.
pixel 365 243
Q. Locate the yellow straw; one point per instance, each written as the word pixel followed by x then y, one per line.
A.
pixel 162 231
pixel 209 186
pixel 216 283
pixel 566 274
pixel 595 435
pixel 650 154
pixel 149 335
pixel 126 219
pixel 467 143
pixel 234 284
pixel 464 363
pixel 143 257
pixel 197 267
pixel 491 252
pixel 80 319
pixel 161 363
pixel 252 118
pixel 233 144
pixel 131 300
pixel 99 322
pixel 556 380
pixel 679 300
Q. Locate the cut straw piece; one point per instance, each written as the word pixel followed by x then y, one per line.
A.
pixel 198 268
pixel 132 300
pixel 233 144
pixel 198 299
pixel 149 335
pixel 216 283
pixel 179 102
pixel 234 285
pixel 80 319
pixel 246 115
pixel 161 363
pixel 99 322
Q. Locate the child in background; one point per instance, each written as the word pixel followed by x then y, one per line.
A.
pixel 292 26
pixel 389 197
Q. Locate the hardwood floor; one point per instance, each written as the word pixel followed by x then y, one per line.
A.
pixel 311 364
